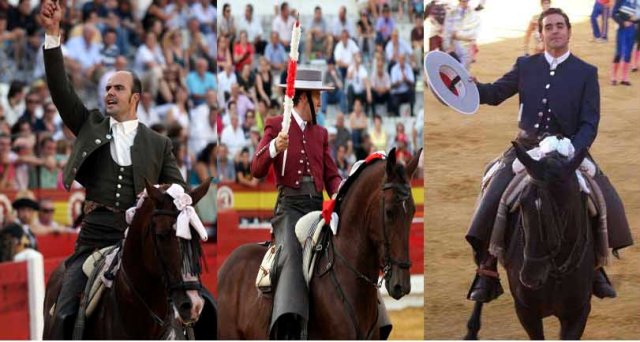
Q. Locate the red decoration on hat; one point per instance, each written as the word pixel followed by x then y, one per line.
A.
pixel 447 82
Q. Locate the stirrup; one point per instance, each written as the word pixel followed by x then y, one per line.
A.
pixel 485 287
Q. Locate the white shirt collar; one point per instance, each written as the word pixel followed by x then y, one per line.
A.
pixel 559 60
pixel 301 123
pixel 128 126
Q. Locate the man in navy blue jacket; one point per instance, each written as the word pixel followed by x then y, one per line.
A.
pixel 559 94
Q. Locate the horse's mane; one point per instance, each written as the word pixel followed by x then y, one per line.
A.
pixel 348 184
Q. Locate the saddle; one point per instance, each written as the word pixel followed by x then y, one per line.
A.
pixel 510 202
pixel 100 269
pixel 308 231
pixel 309 228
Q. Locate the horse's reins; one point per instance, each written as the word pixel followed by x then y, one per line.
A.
pixel 181 285
pixel 571 262
pixel 404 193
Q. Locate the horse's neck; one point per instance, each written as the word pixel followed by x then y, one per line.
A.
pixel 149 288
pixel 361 214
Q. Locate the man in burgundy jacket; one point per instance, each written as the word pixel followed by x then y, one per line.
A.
pixel 309 168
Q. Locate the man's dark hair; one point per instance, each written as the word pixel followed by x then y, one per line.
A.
pixel 284 5
pixel 297 96
pixel 551 11
pixel 136 86
pixel 15 88
pixel 110 30
pixel 317 8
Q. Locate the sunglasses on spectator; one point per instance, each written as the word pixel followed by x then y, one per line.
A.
pixel 1 118
pixel 47 210
pixel 33 101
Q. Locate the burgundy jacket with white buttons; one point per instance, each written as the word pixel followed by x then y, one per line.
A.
pixel 310 146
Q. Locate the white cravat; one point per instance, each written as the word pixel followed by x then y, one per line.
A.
pixel 123 135
pixel 555 61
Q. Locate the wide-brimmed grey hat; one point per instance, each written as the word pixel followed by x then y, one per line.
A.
pixel 308 79
pixel 449 81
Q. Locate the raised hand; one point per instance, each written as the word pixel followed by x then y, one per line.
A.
pixel 51 13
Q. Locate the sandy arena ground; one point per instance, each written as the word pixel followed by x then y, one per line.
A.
pixel 457 148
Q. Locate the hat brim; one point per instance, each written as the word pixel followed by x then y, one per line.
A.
pixel 25 203
pixel 308 85
pixel 442 71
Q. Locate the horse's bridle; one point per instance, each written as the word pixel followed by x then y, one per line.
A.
pixel 578 251
pixel 181 285
pixel 404 193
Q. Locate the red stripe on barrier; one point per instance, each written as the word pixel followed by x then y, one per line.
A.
pixel 14 301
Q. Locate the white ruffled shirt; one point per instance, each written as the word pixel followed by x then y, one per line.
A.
pixel 123 135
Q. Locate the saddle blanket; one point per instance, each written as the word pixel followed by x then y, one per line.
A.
pixel 97 265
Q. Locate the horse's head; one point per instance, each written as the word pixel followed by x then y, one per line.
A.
pixel 176 260
pixel 553 179
pixel 398 209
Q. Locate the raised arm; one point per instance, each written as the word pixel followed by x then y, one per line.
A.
pixel 71 109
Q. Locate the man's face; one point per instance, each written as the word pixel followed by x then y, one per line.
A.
pixel 201 66
pixel 545 5
pixel 285 11
pixel 234 121
pixel 464 3
pixel 118 98
pixel 274 38
pixel 25 215
pixel 247 12
pixel 317 14
pixel 342 13
pixel 109 39
pixel 344 37
pixel 555 32
pixel 250 119
pixel 306 112
pixel 46 212
pixel 33 101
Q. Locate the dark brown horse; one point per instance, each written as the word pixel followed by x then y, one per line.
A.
pixel 151 293
pixel 550 259
pixel 373 235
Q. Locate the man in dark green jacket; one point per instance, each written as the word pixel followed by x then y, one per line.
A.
pixel 112 157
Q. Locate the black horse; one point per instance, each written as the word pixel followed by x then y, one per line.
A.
pixel 550 258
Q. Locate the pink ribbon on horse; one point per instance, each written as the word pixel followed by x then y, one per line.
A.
pixel 187 215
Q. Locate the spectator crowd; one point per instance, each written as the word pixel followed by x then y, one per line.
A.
pixel 371 52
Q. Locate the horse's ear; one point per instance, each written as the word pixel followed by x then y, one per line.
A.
pixel 153 192
pixel 524 157
pixel 413 164
pixel 577 159
pixel 391 161
pixel 199 192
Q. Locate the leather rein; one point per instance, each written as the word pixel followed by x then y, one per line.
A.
pixel 403 192
pixel 169 287
pixel 558 230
